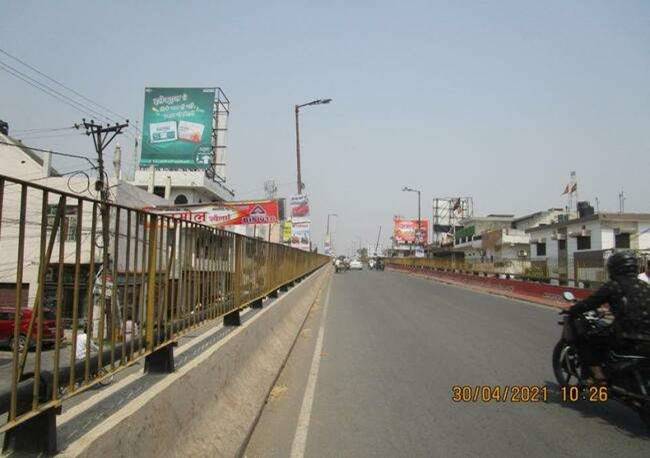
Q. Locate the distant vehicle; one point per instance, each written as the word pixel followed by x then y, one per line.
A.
pixel 341 264
pixel 7 327
pixel 355 264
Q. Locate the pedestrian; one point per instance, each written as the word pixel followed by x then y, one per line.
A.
pixel 82 340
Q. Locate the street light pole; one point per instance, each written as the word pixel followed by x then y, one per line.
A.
pixel 329 236
pixel 297 108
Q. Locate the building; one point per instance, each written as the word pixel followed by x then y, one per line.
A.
pixel 575 250
pixel 473 227
pixel 552 215
pixel 25 164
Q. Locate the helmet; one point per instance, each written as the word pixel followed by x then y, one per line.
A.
pixel 622 264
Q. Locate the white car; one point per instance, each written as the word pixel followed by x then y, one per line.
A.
pixel 356 264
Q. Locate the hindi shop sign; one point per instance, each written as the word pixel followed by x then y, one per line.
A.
pixel 177 128
pixel 225 213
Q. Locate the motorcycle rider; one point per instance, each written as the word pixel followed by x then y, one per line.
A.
pixel 629 301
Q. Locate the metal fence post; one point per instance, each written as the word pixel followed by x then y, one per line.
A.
pixel 233 318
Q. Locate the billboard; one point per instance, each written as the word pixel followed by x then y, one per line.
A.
pixel 286 231
pixel 225 213
pixel 177 127
pixel 299 206
pixel 301 234
pixel 405 231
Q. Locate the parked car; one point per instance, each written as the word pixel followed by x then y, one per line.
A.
pixel 355 264
pixel 7 327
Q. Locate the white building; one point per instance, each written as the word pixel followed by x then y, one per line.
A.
pixel 21 163
pixel 577 248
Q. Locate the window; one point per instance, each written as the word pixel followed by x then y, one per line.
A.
pixel 180 199
pixel 561 245
pixel 159 191
pixel 584 242
pixel 622 241
pixel 69 222
pixel 541 249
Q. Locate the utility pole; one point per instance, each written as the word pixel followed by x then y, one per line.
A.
pixel 102 137
pixel 377 244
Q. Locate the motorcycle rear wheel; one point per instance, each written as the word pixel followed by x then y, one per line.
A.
pixel 566 364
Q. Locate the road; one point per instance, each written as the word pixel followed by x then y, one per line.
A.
pixel 393 345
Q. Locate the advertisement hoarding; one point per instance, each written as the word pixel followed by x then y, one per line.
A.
pixel 225 213
pixel 405 231
pixel 177 128
pixel 299 206
pixel 286 231
pixel 301 234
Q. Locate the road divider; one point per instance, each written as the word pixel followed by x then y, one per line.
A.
pixel 540 293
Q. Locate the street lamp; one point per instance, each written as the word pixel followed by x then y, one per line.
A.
pixel 297 110
pixel 407 189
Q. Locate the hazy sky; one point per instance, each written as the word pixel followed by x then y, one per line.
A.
pixel 497 100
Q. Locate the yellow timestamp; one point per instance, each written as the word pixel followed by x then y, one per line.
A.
pixel 590 394
pixel 499 393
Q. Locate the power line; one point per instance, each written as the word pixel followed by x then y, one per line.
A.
pixel 56 153
pixel 42 129
pixel 31 67
pixel 51 92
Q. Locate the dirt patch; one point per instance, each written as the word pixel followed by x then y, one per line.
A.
pixel 277 392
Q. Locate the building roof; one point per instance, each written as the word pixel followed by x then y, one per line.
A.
pixel 605 217
pixel 536 214
pixel 33 155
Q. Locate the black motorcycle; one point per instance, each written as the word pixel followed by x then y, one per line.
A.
pixel 628 375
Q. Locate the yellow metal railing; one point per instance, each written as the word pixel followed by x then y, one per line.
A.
pixel 119 281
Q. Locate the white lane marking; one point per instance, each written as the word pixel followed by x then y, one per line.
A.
pixel 302 429
pixel 77 409
pixel 78 446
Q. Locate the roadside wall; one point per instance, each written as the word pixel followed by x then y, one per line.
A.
pixel 536 292
pixel 209 406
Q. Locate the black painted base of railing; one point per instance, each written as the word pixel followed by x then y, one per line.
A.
pixel 273 293
pixel 284 288
pixel 232 319
pixel 160 361
pixel 258 304
pixel 34 436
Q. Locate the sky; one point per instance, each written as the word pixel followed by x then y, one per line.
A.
pixel 495 100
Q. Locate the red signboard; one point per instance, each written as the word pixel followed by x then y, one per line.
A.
pixel 225 213
pixel 405 231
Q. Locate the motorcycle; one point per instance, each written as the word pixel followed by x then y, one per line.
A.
pixel 628 375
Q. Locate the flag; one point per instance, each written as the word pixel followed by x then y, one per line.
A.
pixel 567 189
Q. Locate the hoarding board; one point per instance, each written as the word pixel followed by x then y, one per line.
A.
pixel 405 231
pixel 301 234
pixel 225 214
pixel 286 232
pixel 177 128
pixel 299 206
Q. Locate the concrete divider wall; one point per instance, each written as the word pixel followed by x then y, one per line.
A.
pixel 209 406
pixel 545 292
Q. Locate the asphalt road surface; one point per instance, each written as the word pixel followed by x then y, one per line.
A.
pixel 393 346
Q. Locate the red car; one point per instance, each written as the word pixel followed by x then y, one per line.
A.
pixel 7 327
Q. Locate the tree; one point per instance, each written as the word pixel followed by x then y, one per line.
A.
pixel 363 254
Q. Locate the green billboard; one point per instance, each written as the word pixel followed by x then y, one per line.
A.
pixel 177 128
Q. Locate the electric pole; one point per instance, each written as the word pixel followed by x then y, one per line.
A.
pixel 102 137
